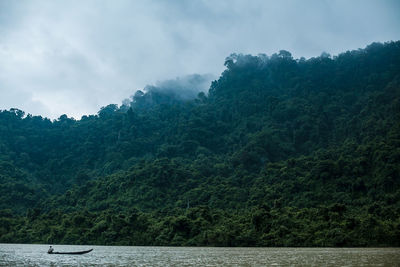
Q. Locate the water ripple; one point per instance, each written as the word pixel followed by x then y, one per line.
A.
pixel 35 255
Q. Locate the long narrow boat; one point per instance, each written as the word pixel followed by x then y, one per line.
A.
pixel 73 253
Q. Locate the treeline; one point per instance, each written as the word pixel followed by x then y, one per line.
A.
pixel 332 225
pixel 279 152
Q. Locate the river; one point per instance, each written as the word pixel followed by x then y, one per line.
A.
pixel 35 255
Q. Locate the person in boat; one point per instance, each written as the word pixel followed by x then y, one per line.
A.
pixel 50 250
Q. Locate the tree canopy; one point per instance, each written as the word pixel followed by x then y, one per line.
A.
pixel 279 152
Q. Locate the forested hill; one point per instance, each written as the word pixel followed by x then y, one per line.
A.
pixel 279 152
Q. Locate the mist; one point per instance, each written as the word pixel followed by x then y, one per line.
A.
pixel 185 88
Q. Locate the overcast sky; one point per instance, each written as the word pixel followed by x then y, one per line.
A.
pixel 73 57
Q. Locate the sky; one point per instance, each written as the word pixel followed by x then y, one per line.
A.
pixel 75 56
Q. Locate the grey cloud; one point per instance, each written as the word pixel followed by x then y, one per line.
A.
pixel 75 56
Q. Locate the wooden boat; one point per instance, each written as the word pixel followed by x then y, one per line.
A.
pixel 72 253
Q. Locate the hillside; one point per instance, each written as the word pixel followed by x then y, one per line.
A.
pixel 279 152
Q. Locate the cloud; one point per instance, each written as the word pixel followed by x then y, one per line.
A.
pixel 74 56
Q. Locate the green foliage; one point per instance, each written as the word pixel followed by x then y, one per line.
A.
pixel 281 152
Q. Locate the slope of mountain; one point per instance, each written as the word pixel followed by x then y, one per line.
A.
pixel 280 152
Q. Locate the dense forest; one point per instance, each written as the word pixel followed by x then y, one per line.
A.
pixel 278 152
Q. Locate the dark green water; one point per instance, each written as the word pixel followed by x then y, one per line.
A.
pixel 35 255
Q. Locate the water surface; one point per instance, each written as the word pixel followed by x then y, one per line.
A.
pixel 35 255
